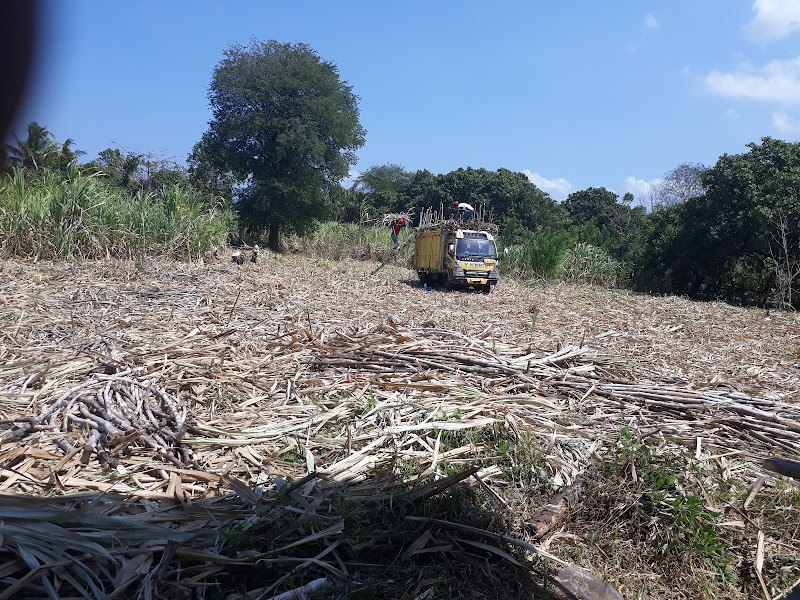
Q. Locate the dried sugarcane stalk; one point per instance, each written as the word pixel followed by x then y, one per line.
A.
pixel 90 446
pixel 110 410
pixel 98 422
pixel 549 516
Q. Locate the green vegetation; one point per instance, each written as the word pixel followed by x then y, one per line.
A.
pixel 286 128
pixel 585 263
pixel 538 255
pixel 335 241
pixel 740 240
pixel 283 137
pixel 656 502
pixel 76 214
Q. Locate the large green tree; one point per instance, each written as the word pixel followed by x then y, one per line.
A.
pixel 740 240
pixel 503 194
pixel 600 219
pixel 754 210
pixel 286 127
pixel 597 217
pixel 381 186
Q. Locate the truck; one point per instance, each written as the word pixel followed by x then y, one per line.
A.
pixel 456 258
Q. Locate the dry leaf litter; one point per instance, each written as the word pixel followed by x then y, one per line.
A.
pixel 165 401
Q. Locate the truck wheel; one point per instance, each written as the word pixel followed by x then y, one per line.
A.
pixel 448 285
pixel 487 289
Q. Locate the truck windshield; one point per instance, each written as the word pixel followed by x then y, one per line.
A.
pixel 475 248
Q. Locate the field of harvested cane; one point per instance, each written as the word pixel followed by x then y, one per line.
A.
pixel 304 428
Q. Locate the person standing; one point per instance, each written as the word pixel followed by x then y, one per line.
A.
pixel 397 225
pixel 465 211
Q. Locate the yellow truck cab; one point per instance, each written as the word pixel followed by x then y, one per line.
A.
pixel 457 258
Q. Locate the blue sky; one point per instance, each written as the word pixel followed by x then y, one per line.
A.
pixel 575 94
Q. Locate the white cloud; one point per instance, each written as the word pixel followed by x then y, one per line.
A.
pixel 640 188
pixel 785 124
pixel 732 114
pixel 348 181
pixel 777 81
pixel 774 19
pixel 558 189
pixel 650 22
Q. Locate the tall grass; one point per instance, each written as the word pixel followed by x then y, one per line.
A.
pixel 547 255
pixel 540 256
pixel 75 215
pixel 347 240
pixel 585 263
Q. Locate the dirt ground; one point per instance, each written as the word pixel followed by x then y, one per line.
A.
pixel 657 338
pixel 215 334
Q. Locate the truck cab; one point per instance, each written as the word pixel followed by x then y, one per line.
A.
pixel 457 258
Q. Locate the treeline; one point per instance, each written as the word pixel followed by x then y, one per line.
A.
pixel 728 232
pixel 739 240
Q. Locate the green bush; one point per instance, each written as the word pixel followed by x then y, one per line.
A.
pixel 539 256
pixel 585 263
pixel 663 512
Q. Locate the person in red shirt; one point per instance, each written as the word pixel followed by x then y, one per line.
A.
pixel 397 225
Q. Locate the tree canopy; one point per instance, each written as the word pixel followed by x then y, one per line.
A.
pixel 740 240
pixel 679 185
pixel 503 193
pixel 286 127
pixel 40 151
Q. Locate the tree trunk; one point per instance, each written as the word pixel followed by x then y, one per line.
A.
pixel 274 241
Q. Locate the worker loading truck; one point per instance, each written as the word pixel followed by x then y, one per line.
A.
pixel 456 258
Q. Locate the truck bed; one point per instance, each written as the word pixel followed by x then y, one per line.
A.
pixel 429 250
